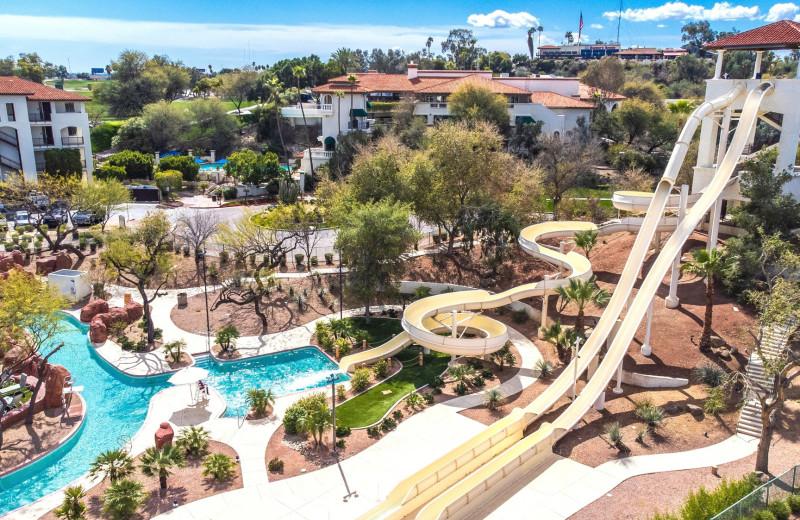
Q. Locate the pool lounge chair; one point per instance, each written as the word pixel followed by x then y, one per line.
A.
pixel 11 402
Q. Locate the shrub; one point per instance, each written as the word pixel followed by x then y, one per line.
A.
pixel 72 508
pixel 183 164
pixel 137 165
pixel 545 368
pixel 360 379
pixel 614 432
pixel 329 258
pixel 275 465
pixel 340 443
pixel 107 172
pixel 780 510
pixel 421 292
pixel 487 373
pixel 763 515
pixel 224 257
pixel 504 357
pixel 341 393
pixel 381 369
pixel 429 399
pixel 219 465
pixel 102 135
pixel 461 388
pixel 493 398
pixel 342 430
pixel 260 400
pixel 479 381
pixel 171 179
pixel 298 258
pixel 229 192
pixel 314 262
pixel 300 409
pixel 649 412
pixel 193 440
pixel 414 400
pixel 794 503
pixel 397 414
pixel 519 316
pixel 125 343
pixel 437 391
pixel 373 431
pixel 709 374
pixel 436 382
pixel 175 349
pixel 715 402
pixel 122 499
pixel 388 424
pixel 82 243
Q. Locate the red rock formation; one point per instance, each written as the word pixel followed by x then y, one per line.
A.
pixel 8 260
pixel 63 261
pixel 92 309
pixel 135 311
pixel 116 315
pixel 45 266
pixel 53 385
pixel 164 435
pixel 98 332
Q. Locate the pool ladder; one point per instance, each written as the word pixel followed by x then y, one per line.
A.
pixel 125 443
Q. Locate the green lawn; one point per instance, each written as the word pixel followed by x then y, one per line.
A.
pixel 73 84
pixel 370 406
pixel 381 329
pixel 229 105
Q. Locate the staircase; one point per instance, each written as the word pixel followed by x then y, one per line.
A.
pixel 773 343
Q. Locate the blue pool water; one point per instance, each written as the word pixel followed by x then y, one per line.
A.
pixel 208 167
pixel 117 405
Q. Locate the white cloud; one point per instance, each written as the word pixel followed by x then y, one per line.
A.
pixel 782 12
pixel 661 26
pixel 596 26
pixel 502 20
pixel 682 11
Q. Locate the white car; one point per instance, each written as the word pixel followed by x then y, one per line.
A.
pixel 22 218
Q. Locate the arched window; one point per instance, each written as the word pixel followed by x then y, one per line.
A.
pixel 556 134
pixel 329 144
pixel 328 100
pixel 613 107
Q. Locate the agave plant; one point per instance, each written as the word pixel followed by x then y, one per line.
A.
pixel 494 399
pixel 193 440
pixel 219 465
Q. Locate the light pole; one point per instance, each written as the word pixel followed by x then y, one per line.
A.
pixel 332 380
pixel 341 287
pixel 575 372
pixel 205 290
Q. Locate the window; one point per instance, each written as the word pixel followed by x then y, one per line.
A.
pixel 72 131
pixel 10 111
pixel 69 107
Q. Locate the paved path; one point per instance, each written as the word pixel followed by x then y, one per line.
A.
pixel 561 487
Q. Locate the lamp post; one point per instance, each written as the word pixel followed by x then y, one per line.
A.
pixel 205 290
pixel 332 380
pixel 575 372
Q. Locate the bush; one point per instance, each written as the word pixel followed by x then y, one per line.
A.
pixel 545 368
pixel 614 432
pixel 437 391
pixel 649 413
pixel 381 369
pixel 224 257
pixel 137 165
pixel 493 399
pixel 107 172
pixel 322 331
pixel 329 258
pixel 183 164
pixel 102 135
pixel 487 373
pixel 122 499
pixel 171 179
pixel 373 431
pixel 298 258
pixel 461 388
pixel 479 381
pixel 436 382
pixel 342 430
pixel 519 316
pixel 715 402
pixel 300 410
pixel 763 515
pixel 314 262
pixel 414 400
pixel 428 397
pixel 709 374
pixel 259 400
pixel 421 292
pixel 193 440
pixel 388 424
pixel 397 414
pixel 340 443
pixel 341 393
pixel 229 192
pixel 794 503
pixel 780 510
pixel 220 466
pixel 360 380
pixel 275 465
pixel 62 161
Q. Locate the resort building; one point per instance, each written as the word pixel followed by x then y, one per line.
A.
pixel 341 107
pixel 584 52
pixel 35 118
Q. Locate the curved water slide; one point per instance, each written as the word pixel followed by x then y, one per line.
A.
pixel 502 443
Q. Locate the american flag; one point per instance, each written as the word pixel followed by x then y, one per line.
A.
pixel 580 28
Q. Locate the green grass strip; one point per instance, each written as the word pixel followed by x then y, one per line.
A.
pixel 369 407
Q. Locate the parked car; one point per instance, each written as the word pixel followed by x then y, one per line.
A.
pixel 55 218
pixel 85 218
pixel 22 218
pixel 38 198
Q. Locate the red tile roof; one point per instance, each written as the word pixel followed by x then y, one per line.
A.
pixel 784 34
pixel 450 86
pixel 586 93
pixel 10 85
pixel 553 100
pixel 636 52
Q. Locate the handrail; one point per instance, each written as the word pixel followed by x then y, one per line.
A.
pixel 752 501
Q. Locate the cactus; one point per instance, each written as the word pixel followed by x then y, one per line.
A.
pixel 288 191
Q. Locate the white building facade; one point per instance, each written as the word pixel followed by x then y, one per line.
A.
pixel 35 118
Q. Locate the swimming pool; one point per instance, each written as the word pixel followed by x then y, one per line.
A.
pixel 117 405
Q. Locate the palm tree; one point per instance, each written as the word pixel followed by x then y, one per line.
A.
pixel 530 41
pixel 159 463
pixel 461 372
pixel 122 499
pixel 343 58
pixel 569 37
pixel 260 400
pixel 681 107
pixel 300 72
pixel 316 421
pixel 428 44
pixel 341 328
pixel 193 440
pixel 352 80
pixel 339 96
pixel 72 508
pixel 112 465
pixel 709 265
pixel 275 89
pixel 541 30
pixel 562 337
pixel 586 240
pixel 581 294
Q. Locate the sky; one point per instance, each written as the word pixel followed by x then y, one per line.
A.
pixel 233 33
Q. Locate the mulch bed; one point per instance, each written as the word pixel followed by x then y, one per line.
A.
pixel 184 485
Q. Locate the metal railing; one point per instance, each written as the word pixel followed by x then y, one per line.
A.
pixel 776 489
pixel 9 138
pixel 43 141
pixel 11 163
pixel 71 141
pixel 37 118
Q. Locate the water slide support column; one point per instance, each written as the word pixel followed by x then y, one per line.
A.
pixel 672 300
pixel 646 348
pixel 545 303
pixel 618 389
pixel 714 216
pixel 453 333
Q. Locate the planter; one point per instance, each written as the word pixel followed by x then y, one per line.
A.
pixel 183 300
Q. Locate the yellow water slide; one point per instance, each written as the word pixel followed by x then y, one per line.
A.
pixel 445 484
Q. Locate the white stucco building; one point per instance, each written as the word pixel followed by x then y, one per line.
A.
pixel 35 118
pixel 342 107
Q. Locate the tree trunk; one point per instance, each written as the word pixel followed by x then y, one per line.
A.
pixel 280 132
pixel 579 319
pixel 452 239
pixel 147 318
pixel 366 312
pixel 767 429
pixel 260 313
pixel 705 338
pixel 163 480
pixel 1 430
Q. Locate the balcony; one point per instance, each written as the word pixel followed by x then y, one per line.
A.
pixel 72 141
pixel 41 164
pixel 310 110
pixel 364 126
pixel 319 154
pixel 41 142
pixel 36 117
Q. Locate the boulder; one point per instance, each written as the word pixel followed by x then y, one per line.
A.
pixel 695 410
pixel 117 315
pixel 45 265
pixel 53 385
pixel 13 355
pixel 672 408
pixel 92 309
pixel 18 258
pixel 724 354
pixel 717 342
pixel 98 332
pixel 135 311
pixel 63 261
pixel 6 261
pixel 164 435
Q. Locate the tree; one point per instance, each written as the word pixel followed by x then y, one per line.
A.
pixel 165 122
pixel 299 72
pixel 64 162
pixel 530 41
pixel 169 182
pixel 193 440
pixel 633 179
pixel 183 163
pixel 496 61
pixel 259 400
pixel 142 257
pixel 504 357
pixel 133 135
pixel 586 240
pixel 373 238
pixel 137 165
pixel 461 47
pixel 196 227
pixel 343 58
pixel 103 198
pixel 696 34
pixel 581 294
pixel 563 162
pixel 569 37
pixel 339 97
pixel 220 466
pixel 72 508
pixel 709 265
pixel 562 337
pixel 31 67
pixel 494 227
pixel 135 82
pixel 123 499
pixel 473 103
pixel 236 86
pixel 275 94
pixel 768 209
pixel 318 419
pixel 299 220
pixel 251 168
pixel 112 465
pixel 245 238
pixel 606 76
pixel 212 127
pixel 159 462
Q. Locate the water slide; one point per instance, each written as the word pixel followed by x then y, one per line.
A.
pixel 447 485
pixel 388 349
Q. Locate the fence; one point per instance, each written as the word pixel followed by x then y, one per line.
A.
pixel 776 489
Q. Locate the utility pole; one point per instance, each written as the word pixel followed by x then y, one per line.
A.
pixel 332 380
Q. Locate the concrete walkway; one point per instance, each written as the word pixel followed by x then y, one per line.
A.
pixel 561 487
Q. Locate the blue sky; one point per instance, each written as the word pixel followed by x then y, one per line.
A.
pixel 236 32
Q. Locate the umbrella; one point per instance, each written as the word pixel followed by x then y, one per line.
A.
pixel 188 375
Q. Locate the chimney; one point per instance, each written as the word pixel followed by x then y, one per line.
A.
pixel 412 70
